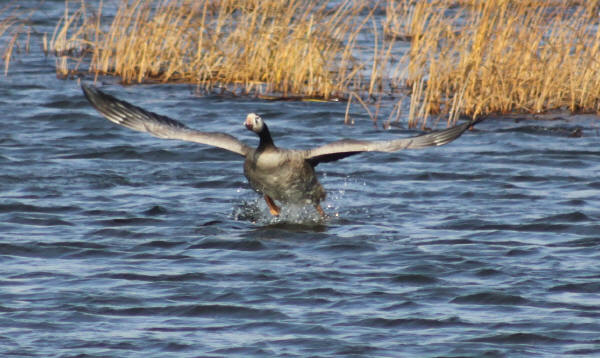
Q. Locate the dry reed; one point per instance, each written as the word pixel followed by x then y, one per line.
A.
pixel 12 27
pixel 502 56
pixel 466 57
pixel 295 47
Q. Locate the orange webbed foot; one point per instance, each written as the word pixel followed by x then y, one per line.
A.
pixel 273 208
pixel 320 211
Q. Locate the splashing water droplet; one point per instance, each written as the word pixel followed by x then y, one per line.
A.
pixel 256 211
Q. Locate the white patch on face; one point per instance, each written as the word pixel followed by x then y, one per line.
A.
pixel 254 122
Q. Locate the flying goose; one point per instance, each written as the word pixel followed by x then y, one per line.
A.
pixel 282 175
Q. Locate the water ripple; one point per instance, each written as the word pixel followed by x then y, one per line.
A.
pixel 114 243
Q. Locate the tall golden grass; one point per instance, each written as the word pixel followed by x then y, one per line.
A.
pixel 295 47
pixel 503 56
pixel 465 57
pixel 12 27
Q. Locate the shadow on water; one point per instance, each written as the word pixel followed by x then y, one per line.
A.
pixel 287 232
pixel 298 227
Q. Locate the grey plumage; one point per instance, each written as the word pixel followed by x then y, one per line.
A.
pixel 279 174
pixel 136 118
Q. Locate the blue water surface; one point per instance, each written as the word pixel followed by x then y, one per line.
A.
pixel 114 243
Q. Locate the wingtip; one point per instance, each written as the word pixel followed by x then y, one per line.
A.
pixel 103 103
pixel 85 87
pixel 475 121
pixel 97 98
pixel 88 90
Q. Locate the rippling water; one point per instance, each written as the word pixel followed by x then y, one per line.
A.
pixel 117 244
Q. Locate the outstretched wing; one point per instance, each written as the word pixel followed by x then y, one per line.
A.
pixel 138 119
pixel 347 147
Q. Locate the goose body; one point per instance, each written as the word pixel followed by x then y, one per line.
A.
pixel 282 175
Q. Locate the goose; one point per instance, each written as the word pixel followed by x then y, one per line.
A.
pixel 281 175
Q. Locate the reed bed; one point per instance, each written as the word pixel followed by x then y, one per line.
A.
pixel 465 57
pixel 501 56
pixel 295 47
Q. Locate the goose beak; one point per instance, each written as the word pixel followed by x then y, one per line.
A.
pixel 248 122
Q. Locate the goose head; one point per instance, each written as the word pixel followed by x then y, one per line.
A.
pixel 257 125
pixel 254 123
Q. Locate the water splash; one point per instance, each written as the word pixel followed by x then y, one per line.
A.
pixel 257 212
